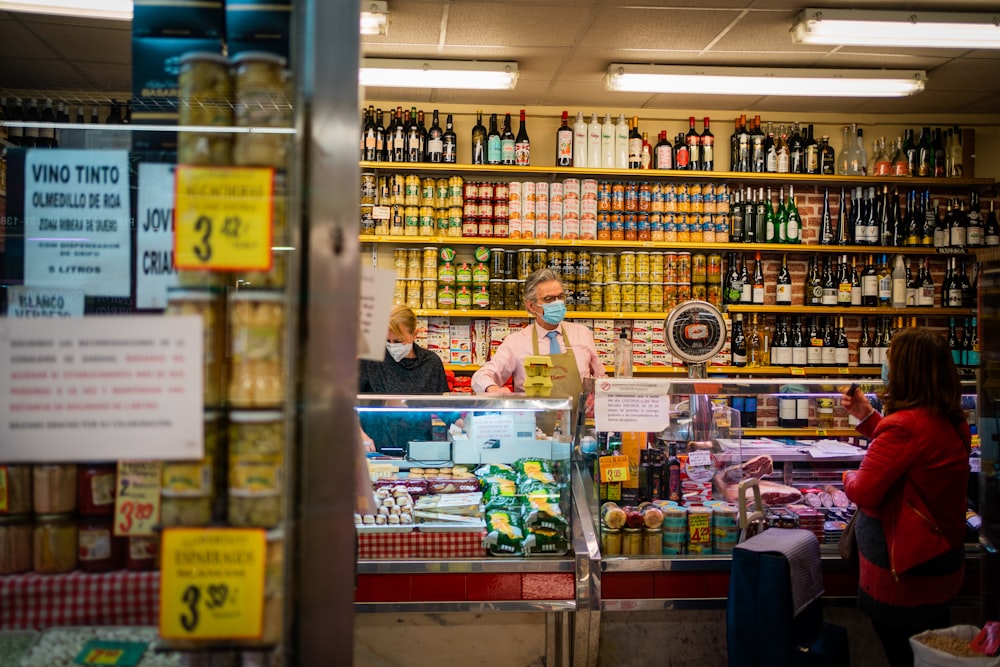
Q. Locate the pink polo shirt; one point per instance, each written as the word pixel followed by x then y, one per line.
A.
pixel 508 359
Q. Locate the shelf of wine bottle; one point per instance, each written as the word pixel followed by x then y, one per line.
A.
pixel 653 245
pixel 852 310
pixel 677 174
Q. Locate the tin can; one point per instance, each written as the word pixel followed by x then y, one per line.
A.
pixel 699 268
pixel 588 189
pixel 683 267
pixel 485 190
pixel 446 296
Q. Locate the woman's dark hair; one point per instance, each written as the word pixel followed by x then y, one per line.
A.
pixel 922 374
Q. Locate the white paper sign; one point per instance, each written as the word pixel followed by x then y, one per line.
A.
pixel 154 236
pixel 376 302
pixel 493 426
pixel 631 405
pixel 77 221
pixel 40 302
pixel 106 388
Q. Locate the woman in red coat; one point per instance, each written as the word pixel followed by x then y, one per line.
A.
pixel 911 491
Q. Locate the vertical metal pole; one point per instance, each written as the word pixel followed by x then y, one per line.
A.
pixel 328 55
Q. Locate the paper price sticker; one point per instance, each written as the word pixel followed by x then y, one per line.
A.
pixel 137 503
pixel 699 527
pixel 843 370
pixel 223 218
pixel 798 371
pixel 699 458
pixel 614 469
pixel 120 654
pixel 212 583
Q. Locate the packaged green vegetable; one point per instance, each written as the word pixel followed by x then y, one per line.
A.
pixel 504 533
pixel 499 487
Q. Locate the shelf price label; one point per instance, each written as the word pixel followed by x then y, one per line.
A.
pixel 699 528
pixel 614 469
pixel 223 218
pixel 137 503
pixel 120 654
pixel 797 371
pixel 212 583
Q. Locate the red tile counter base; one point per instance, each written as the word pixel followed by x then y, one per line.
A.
pixel 465 587
pixel 36 601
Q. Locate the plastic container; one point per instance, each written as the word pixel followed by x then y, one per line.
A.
pixel 54 488
pixel 95 489
pixel 55 544
pixel 15 544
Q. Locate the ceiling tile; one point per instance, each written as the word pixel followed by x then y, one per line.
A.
pixel 927 102
pixel 489 23
pixel 664 28
pixel 986 105
pixel 20 42
pixel 966 75
pixel 410 22
pixel 41 74
pixel 76 45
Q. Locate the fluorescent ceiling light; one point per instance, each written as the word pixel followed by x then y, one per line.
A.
pixel 120 10
pixel 469 74
pixel 860 27
pixel 374 17
pixel 764 81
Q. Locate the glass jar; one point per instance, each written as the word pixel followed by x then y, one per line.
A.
pixel 15 544
pixel 54 489
pixel 632 541
pixel 256 465
pixel 98 549
pixel 55 545
pixel 261 100
pixel 611 541
pixel 257 325
pixel 205 99
pixel 207 304
pixel 95 487
pixel 15 489
pixel 142 553
pixel 652 539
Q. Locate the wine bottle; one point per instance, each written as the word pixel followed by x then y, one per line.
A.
pixel 781 151
pixel 897 224
pixel 898 294
pixel 974 223
pixel 770 221
pixel 799 345
pixel 925 290
pixel 884 283
pixel 885 224
pixel 830 286
pixel 992 232
pixel 755 351
pixel 869 284
pixel 744 161
pixel 435 140
pixel 707 144
pixel 925 153
pixel 844 157
pixel 855 283
pixel 881 160
pixel 914 225
pixel 508 151
pixel 522 144
pixel 494 150
pixel 479 140
pixel 857 157
pixel 621 143
pixel 872 208
pixel 760 215
pixel 693 141
pixel 865 357
pixel 925 216
pixel 749 218
pixel 827 157
pixel 796 151
pixel 758 155
pixel 954 343
pixel 663 154
pixel 739 342
pixel 746 296
pixel 826 221
pixel 957 166
pixel 607 143
pixel 814 283
pixel 911 286
pixel 680 152
pixel 733 288
pixel 900 163
pixel 938 165
pixel 380 134
pixel 957 229
pixel 770 150
pixel 369 138
pixel 783 293
pixel 842 354
pixel 793 231
pixel 758 281
pixel 810 151
pixel 844 283
pixel 968 299
pixel 781 352
pixel 842 231
pixel 829 355
pixel 634 144
pixel 594 142
pixel 974 356
pixel 781 213
pixel 449 142
pixel 942 235
pixel 414 145
pixel 814 343
pixel 564 142
pixel 580 131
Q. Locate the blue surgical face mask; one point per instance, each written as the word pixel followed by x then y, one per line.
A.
pixel 885 373
pixel 553 313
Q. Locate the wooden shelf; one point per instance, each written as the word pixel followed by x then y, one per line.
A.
pixel 852 311
pixel 669 174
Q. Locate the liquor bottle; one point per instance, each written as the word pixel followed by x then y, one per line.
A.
pixel 992 233
pixel 580 131
pixel 663 153
pixel 522 144
pixel 564 142
pixel 954 343
pixel 855 283
pixel 634 144
pixel 793 232
pixel 830 286
pixel 973 343
pixel 954 284
pixel 974 223
pixel 914 225
pixel 869 284
pixel 770 150
pixel 826 221
pixel 799 346
pixel 707 144
pixel 814 283
pixel 810 150
pixel 761 215
pixel 758 281
pixel 925 289
pixel 782 153
pixel 508 151
pixel 732 288
pixel 925 218
pixel 843 228
pixel 957 167
pixel 680 152
pixel 957 229
pixel 435 140
pixel 844 157
pixel 621 143
pixel 781 353
pixel 594 142
pixel 673 474
pixel 783 293
pixel 739 344
pixel 736 225
pixel 479 140
pixel 898 225
pixel 646 153
pixel 449 142
pixel 925 153
pixel 414 146
pixel 758 154
pixel 827 156
pixel 885 219
pixel 865 345
pixel 770 221
pixel 939 163
pixel 369 140
pixel 829 355
pixel 898 293
pixel 872 206
pixel 746 296
pixel 607 142
pixel 881 160
pixel 880 344
pixel 858 156
pixel 796 151
pixel 755 348
pixel 968 297
pixel 781 213
pixel 844 289
pixel 734 150
pixel 814 342
pixel 494 151
pixel 693 141
pixel 744 161
pixel 884 283
pixel 942 235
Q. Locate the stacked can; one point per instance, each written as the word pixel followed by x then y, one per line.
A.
pixel 447 278
pixel 675 529
pixel 486 209
pixel 571 208
pixel 725 526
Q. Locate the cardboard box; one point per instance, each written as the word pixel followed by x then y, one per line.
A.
pixel 155 66
pixel 259 25
pixel 169 18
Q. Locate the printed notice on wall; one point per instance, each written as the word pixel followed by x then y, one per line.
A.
pixel 77 221
pixel 154 236
pixel 107 388
pixel 373 311
pixel 631 405
pixel 44 302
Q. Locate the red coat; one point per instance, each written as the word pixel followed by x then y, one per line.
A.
pixel 913 480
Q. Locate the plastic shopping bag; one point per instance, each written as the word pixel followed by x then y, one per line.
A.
pixel 927 656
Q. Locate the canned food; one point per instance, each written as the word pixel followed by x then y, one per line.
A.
pixel 481 296
pixel 643 227
pixel 399 292
pixel 446 274
pixel 610 267
pixel 523 264
pixel 631 227
pixel 632 544
pixel 470 190
pixel 612 296
pixel 596 296
pixel 485 227
pixel 413 293
pixel 455 221
pixel 428 186
pixel 257 325
pixel 497 294
pixel 427 221
pixel 583 265
pixel 501 191
pixel 207 304
pixel 441 193
pixel 470 226
pixel 714 268
pixel 670 296
pixel 256 461
pixel 611 541
pixel 539 258
pixel 583 295
pixel 699 268
pixel 568 267
pixel 699 291
pixel 441 221
pixel 555 260
pixel 463 297
pixel 446 296
pixel 642 266
pixel 368 187
pixel 485 191
pixel 618 197
pixel 632 197
pixel 397 183
pixel 715 294
pixel 205 99
pixel 642 297
pixel 512 293
pixel 411 190
pixel 411 221
pixel 463 274
pixel 683 292
pixel 429 293
pixel 480 274
pixel 597 267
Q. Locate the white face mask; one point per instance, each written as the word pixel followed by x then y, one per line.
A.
pixel 399 351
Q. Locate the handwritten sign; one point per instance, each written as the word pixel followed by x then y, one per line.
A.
pixel 137 503
pixel 631 405
pixel 212 583
pixel 699 527
pixel 223 218
pixel 614 469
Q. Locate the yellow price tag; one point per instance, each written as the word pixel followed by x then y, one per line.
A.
pixel 137 503
pixel 103 656
pixel 212 583
pixel 821 431
pixel 614 469
pixel 798 371
pixel 843 370
pixel 223 218
pixel 699 527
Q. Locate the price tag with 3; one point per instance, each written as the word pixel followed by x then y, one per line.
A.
pixel 137 502
pixel 614 469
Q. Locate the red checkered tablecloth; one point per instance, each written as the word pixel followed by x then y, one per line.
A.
pixel 416 544
pixel 36 601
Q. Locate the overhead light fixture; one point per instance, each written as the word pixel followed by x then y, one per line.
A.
pixel 468 74
pixel 862 27
pixel 374 17
pixel 119 10
pixel 764 81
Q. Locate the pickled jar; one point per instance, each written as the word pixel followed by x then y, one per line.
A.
pixel 54 489
pixel 611 541
pixel 54 544
pixel 95 489
pixel 205 95
pixel 632 543
pixel 652 539
pixel 261 100
pixel 15 489
pixel 15 544
pixel 206 304
pixel 257 326
pixel 256 468
pixel 98 549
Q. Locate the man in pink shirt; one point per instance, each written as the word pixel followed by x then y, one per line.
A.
pixel 570 345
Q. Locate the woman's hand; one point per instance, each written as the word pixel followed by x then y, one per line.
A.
pixel 497 389
pixel 856 404
pixel 367 444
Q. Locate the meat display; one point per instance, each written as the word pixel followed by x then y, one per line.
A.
pixel 758 466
